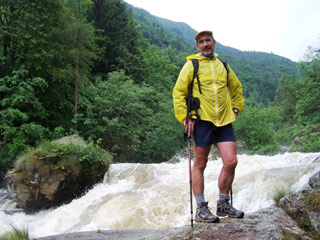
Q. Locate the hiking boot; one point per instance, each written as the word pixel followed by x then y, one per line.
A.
pixel 224 208
pixel 204 214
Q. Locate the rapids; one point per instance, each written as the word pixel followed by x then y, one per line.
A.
pixel 156 196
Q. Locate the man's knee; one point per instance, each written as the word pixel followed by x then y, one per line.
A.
pixel 200 161
pixel 200 164
pixel 230 164
pixel 201 157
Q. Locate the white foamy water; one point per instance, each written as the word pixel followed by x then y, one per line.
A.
pixel 156 196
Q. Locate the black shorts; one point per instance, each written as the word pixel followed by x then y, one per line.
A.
pixel 206 133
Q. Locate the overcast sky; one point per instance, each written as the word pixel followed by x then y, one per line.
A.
pixel 284 27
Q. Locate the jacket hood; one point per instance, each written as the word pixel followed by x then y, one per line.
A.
pixel 199 57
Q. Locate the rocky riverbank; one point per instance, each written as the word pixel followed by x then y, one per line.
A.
pixel 269 223
pixel 296 218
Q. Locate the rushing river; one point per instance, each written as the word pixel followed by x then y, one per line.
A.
pixel 156 196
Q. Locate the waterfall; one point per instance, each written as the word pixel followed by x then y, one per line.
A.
pixel 156 196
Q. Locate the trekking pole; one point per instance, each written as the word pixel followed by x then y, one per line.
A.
pixel 190 176
pixel 231 196
pixel 187 136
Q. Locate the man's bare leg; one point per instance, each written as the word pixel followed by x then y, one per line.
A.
pixel 228 153
pixel 203 213
pixel 199 165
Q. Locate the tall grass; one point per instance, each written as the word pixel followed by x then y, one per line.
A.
pixel 280 193
pixel 16 235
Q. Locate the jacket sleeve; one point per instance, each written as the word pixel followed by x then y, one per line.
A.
pixel 235 88
pixel 180 91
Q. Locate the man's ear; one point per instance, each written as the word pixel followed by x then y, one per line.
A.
pixel 214 43
pixel 197 46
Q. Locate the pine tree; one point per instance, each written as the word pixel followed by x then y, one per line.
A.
pixel 286 97
pixel 308 104
pixel 120 39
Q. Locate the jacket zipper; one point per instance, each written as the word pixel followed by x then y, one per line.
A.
pixel 215 91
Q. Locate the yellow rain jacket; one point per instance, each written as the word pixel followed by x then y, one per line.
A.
pixel 218 97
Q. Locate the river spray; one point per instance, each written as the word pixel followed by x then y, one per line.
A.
pixel 156 196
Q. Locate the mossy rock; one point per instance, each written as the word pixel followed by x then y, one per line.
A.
pixel 18 177
pixel 56 172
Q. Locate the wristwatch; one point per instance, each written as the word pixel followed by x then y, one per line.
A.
pixel 235 110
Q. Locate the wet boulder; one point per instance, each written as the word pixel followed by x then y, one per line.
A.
pixel 55 173
pixel 304 206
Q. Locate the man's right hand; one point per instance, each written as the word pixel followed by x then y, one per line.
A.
pixel 188 128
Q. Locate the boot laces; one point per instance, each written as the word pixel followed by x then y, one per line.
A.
pixel 206 210
pixel 228 206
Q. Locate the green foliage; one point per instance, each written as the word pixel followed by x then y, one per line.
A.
pixel 306 225
pixel 257 129
pixel 307 139
pixel 16 235
pixel 280 193
pixel 118 38
pixel 115 111
pixel 179 29
pixel 288 236
pixel 81 38
pixel 165 137
pixel 298 104
pixel 296 119
pixel 18 93
pixel 63 156
pixel 307 110
pixel 161 73
pixel 20 109
pixel 31 34
pixel 138 123
pixel 312 200
pixel 285 133
pixel 34 38
pixel 308 104
pixel 163 33
pixel 287 97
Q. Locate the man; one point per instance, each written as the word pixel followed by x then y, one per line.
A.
pixel 221 101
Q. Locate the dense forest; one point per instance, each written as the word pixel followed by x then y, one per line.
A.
pixel 105 70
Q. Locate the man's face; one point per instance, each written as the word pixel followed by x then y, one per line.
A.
pixel 206 44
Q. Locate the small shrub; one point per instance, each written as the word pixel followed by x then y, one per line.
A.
pixel 280 193
pixel 288 236
pixel 313 201
pixel 304 225
pixel 16 235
